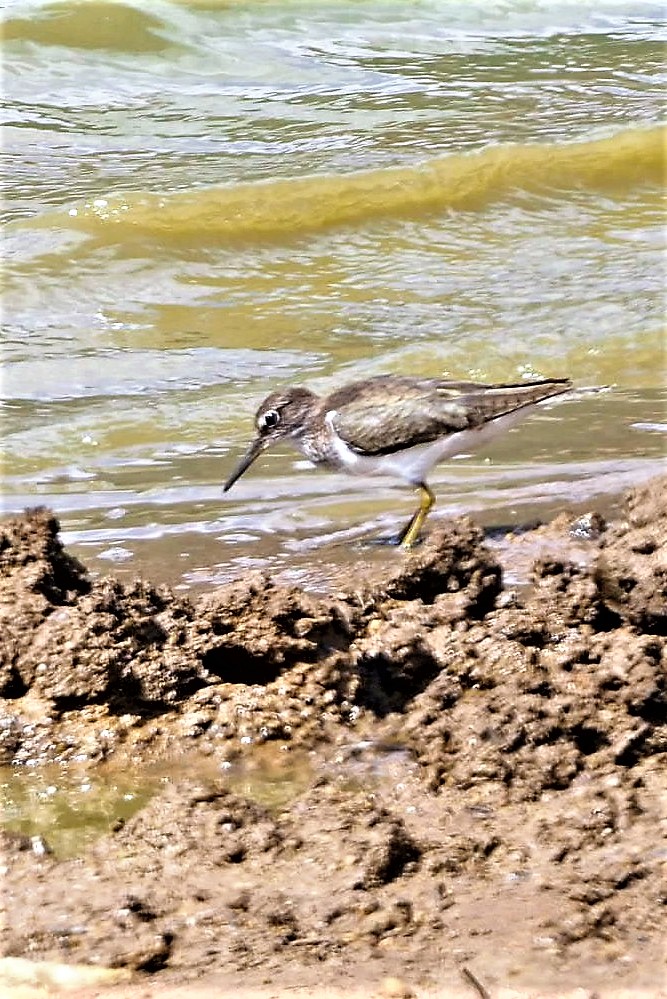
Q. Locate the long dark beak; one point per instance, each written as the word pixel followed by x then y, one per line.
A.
pixel 258 445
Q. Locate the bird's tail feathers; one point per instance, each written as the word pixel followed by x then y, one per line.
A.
pixel 498 400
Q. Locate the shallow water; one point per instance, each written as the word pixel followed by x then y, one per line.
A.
pixel 64 808
pixel 70 807
pixel 205 200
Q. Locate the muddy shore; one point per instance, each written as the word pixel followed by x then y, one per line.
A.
pixel 485 768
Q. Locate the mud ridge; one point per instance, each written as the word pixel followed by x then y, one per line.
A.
pixel 487 768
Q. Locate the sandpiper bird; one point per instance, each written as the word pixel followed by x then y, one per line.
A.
pixel 393 425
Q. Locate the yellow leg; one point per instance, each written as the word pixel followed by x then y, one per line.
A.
pixel 426 501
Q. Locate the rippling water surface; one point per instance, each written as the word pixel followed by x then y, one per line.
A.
pixel 206 199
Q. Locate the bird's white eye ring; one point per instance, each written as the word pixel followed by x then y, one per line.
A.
pixel 269 419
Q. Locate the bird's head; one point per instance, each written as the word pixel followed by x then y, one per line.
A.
pixel 281 415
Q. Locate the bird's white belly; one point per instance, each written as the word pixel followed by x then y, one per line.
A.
pixel 414 463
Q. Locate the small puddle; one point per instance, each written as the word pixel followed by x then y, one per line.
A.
pixel 70 806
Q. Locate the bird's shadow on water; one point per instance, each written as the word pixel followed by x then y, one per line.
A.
pixel 383 541
pixel 353 538
pixel 492 532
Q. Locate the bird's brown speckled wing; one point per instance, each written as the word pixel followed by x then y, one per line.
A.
pixel 385 414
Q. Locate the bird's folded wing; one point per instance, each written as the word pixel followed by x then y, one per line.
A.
pixel 389 423
pixel 380 421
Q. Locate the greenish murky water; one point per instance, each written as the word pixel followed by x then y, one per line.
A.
pixel 207 199
pixel 68 807
pixel 64 808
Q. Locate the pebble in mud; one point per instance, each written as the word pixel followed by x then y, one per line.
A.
pixel 395 988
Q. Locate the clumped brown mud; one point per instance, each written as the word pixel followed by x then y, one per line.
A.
pixel 487 769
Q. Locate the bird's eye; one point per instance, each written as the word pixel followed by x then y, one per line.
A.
pixel 269 419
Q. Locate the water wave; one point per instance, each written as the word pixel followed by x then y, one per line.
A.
pixel 96 24
pixel 287 208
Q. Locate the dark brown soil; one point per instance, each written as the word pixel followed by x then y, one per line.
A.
pixel 487 769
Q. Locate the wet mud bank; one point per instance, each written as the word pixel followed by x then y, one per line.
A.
pixel 487 768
